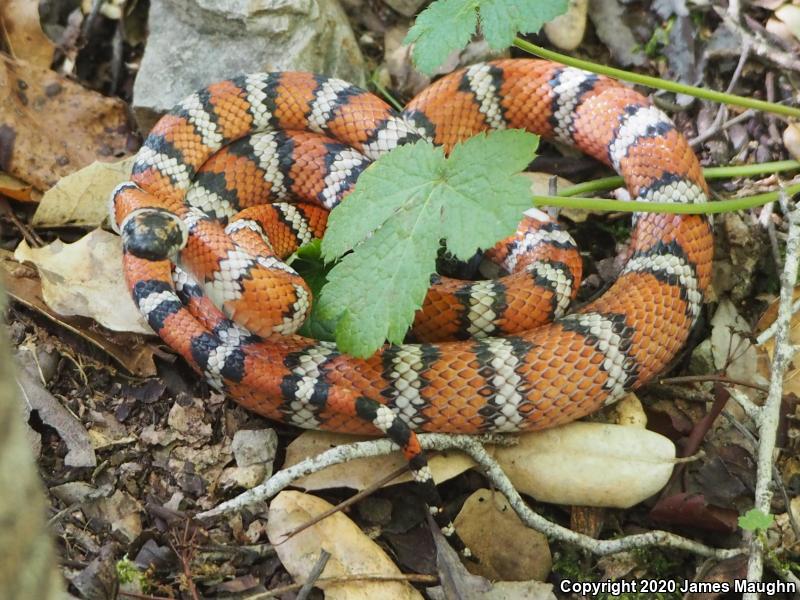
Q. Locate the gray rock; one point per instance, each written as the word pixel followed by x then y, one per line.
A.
pixel 193 43
pixel 254 446
pixel 407 8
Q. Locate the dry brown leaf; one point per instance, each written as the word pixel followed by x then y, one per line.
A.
pixel 352 552
pixel 131 351
pixel 362 472
pixel 17 189
pixel 19 22
pixel 51 126
pixel 81 199
pixel 85 278
pixel 506 548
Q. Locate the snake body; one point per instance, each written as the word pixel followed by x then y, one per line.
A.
pixel 272 136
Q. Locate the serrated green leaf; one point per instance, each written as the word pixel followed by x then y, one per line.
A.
pixel 483 168
pixel 501 20
pixel 447 25
pixel 401 208
pixel 755 520
pixel 403 177
pixel 375 290
pixel 308 263
pixel 443 27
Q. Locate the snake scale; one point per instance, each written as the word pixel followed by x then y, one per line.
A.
pixel 242 172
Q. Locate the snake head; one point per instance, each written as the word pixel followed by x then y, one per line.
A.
pixel 153 234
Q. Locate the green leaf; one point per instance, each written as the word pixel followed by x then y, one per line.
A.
pixel 447 25
pixel 443 27
pixel 755 520
pixel 402 206
pixel 308 263
pixel 501 20
pixel 402 178
pixel 480 177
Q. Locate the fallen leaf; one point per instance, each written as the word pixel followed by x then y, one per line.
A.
pixel 608 17
pixel 791 379
pixel 131 351
pixel 122 511
pixel 724 571
pixel 17 189
pixel 79 446
pixel 81 198
pixel 506 548
pixel 352 552
pixel 85 278
pixel 589 464
pixel 254 447
pixel 19 21
pixel 692 510
pixel 189 421
pixel 51 126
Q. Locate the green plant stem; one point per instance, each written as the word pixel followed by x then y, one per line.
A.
pixel 655 82
pixel 386 94
pixel 599 204
pixel 608 183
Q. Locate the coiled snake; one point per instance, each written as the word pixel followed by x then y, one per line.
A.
pixel 202 164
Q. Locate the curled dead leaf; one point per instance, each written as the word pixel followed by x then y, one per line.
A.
pixel 85 278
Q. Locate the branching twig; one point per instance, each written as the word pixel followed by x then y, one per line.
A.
pixel 473 446
pixel 770 413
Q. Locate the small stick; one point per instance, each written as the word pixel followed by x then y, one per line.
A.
pixel 770 413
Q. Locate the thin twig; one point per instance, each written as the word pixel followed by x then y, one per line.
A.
pixel 335 456
pixel 770 413
pixel 715 378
